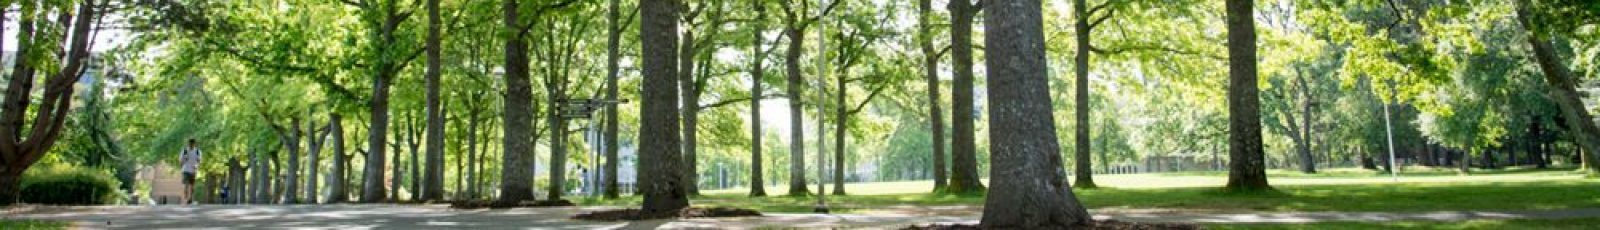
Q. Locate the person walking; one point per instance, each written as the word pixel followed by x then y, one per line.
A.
pixel 190 159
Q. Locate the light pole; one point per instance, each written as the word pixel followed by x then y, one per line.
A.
pixel 1388 126
pixel 822 76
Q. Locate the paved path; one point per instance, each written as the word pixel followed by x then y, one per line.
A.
pixel 440 217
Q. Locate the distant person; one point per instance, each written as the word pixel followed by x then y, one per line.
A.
pixel 190 158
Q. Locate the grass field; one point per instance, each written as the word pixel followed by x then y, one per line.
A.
pixel 1336 190
pixel 31 224
pixel 1535 224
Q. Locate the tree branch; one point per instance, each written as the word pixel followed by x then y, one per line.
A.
pixel 734 101
pixel 1147 47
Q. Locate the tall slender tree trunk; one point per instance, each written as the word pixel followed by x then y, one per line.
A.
pixel 433 180
pixel 558 145
pixel 1247 169
pixel 397 175
pixel 1082 170
pixel 690 100
pixel 964 149
pixel 659 155
pixel 291 142
pixel 472 155
pixel 930 67
pixel 1563 91
pixel 313 151
pixel 414 185
pixel 613 56
pixel 757 73
pixel 1030 188
pixel 1308 162
pixel 797 154
pixel 838 136
pixel 517 167
pixel 337 192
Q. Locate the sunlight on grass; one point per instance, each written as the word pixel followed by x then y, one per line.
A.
pixel 1532 224
pixel 1344 190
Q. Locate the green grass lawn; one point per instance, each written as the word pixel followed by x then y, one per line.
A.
pixel 1354 191
pixel 31 224
pixel 1530 224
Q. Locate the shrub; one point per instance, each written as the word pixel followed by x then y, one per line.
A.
pixel 68 185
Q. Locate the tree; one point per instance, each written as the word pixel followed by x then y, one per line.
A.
pixel 658 142
pixel 18 152
pixel 757 73
pixel 613 42
pixel 337 192
pixel 516 182
pixel 1561 81
pixel 795 25
pixel 964 161
pixel 433 179
pixel 1030 189
pixel 930 67
pixel 1247 166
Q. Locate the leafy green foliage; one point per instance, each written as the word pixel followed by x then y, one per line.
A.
pixel 69 185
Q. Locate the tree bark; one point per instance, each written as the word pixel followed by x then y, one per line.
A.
pixel 415 182
pixel 690 101
pixel 613 56
pixel 433 180
pixel 930 67
pixel 659 154
pixel 1082 170
pixel 838 134
pixel 797 154
pixel 964 149
pixel 1563 91
pixel 17 152
pixel 377 133
pixel 757 73
pixel 337 192
pixel 1247 169
pixel 291 142
pixel 1030 188
pixel 517 167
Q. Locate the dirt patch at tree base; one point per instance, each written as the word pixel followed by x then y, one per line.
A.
pixel 480 204
pixel 1098 225
pixel 636 214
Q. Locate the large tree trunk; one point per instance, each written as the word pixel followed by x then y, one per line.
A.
pixel 964 149
pixel 337 192
pixel 659 156
pixel 797 149
pixel 690 100
pixel 1247 169
pixel 433 180
pixel 1082 170
pixel 1030 188
pixel 613 56
pixel 291 142
pixel 930 67
pixel 517 168
pixel 757 72
pixel 1563 91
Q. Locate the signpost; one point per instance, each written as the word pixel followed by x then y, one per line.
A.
pixel 573 109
